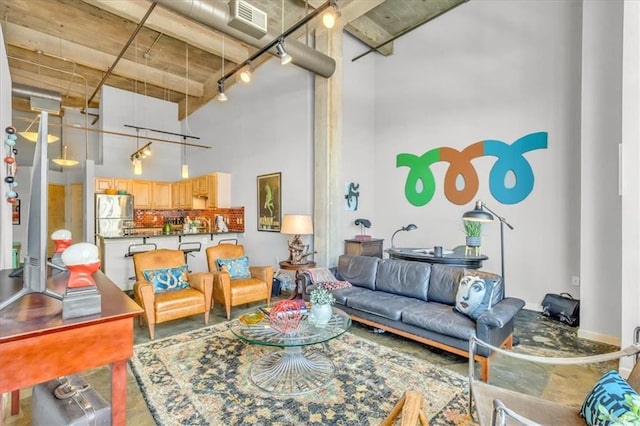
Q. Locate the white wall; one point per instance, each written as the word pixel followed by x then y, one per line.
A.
pixel 119 107
pixel 600 207
pixel 487 70
pixel 6 228
pixel 263 128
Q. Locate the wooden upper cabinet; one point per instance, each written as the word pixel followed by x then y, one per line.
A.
pixel 161 195
pixel 186 194
pixel 142 194
pixel 175 195
pixel 219 195
pixel 102 184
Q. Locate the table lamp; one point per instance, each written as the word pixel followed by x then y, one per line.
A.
pixel 409 227
pixel 297 225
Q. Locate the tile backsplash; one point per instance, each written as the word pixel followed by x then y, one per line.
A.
pixel 146 218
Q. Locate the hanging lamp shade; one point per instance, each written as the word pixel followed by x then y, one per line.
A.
pixel 33 137
pixel 63 160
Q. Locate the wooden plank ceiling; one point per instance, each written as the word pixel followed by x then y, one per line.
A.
pixel 69 45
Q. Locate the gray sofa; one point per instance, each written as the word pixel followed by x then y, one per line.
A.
pixel 416 300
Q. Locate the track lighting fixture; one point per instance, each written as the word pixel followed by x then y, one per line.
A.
pixel 330 16
pixel 285 58
pixel 221 96
pixel 246 73
pixel 142 153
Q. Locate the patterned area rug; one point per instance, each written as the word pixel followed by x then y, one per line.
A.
pixel 202 378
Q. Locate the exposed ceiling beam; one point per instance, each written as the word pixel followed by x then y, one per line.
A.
pixel 176 26
pixel 33 40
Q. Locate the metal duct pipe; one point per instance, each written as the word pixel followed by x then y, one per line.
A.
pixel 216 16
pixel 39 99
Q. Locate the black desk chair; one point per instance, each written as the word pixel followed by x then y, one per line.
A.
pixel 188 248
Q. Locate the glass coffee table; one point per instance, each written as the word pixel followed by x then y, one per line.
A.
pixel 291 371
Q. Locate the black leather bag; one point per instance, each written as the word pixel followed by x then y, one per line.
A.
pixel 562 307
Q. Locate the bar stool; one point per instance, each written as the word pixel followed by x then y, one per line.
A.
pixel 139 248
pixel 188 248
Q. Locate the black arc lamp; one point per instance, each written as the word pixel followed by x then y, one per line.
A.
pixel 478 214
pixel 409 227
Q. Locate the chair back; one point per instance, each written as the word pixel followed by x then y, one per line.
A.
pixel 222 251
pixel 156 259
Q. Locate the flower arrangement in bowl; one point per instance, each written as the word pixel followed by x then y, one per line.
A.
pixel 321 296
pixel 321 301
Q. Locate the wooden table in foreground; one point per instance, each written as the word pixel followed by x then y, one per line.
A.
pixel 37 345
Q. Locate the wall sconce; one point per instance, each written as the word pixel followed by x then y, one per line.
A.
pixel 409 227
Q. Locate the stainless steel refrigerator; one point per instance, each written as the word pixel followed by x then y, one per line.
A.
pixel 114 214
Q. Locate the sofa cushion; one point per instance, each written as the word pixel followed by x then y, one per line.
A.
pixel 344 294
pixel 474 296
pixel 443 284
pixel 360 271
pixel 380 303
pixel 404 278
pixel 439 318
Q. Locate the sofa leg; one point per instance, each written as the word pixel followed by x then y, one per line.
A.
pixel 509 342
pixel 484 369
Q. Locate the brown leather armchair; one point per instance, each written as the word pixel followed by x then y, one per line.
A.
pixel 171 304
pixel 237 291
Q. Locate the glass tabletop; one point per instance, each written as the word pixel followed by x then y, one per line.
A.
pixel 306 333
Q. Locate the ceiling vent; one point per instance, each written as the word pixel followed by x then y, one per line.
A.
pixel 247 18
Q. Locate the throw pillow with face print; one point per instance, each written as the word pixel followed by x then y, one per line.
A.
pixel 474 296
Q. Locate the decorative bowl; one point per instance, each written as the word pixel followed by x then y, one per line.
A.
pixel 252 318
pixel 111 191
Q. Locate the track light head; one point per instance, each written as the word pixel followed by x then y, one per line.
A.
pixel 146 150
pixel 246 73
pixel 285 58
pixel 330 16
pixel 221 96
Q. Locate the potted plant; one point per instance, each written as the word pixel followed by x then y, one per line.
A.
pixel 321 301
pixel 472 230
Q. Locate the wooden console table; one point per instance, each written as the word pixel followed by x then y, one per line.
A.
pixel 37 345
pixel 372 247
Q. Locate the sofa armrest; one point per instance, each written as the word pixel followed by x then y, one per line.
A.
pixel 501 313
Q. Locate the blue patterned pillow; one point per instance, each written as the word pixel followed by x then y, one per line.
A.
pixel 608 391
pixel 237 268
pixel 167 278
pixel 474 296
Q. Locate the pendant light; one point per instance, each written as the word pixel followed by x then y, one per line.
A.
pixel 63 160
pixel 33 136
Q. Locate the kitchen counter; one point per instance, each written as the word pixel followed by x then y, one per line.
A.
pixel 152 232
pixel 118 266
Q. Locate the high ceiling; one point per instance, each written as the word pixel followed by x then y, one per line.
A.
pixel 69 46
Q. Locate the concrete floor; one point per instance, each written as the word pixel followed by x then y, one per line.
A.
pixel 537 334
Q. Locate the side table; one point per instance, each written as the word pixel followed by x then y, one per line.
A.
pixel 372 247
pixel 288 266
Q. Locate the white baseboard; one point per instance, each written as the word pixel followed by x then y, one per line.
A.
pixel 598 337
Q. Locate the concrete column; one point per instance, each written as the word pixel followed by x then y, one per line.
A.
pixel 328 152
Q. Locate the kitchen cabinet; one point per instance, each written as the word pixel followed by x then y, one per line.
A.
pixel 161 195
pixel 184 194
pixel 200 186
pixel 102 184
pixel 142 194
pixel 219 195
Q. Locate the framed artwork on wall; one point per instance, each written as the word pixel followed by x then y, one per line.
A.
pixel 269 202
pixel 15 212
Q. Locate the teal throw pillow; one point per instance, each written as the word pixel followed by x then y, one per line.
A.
pixel 165 279
pixel 474 296
pixel 237 268
pixel 609 392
